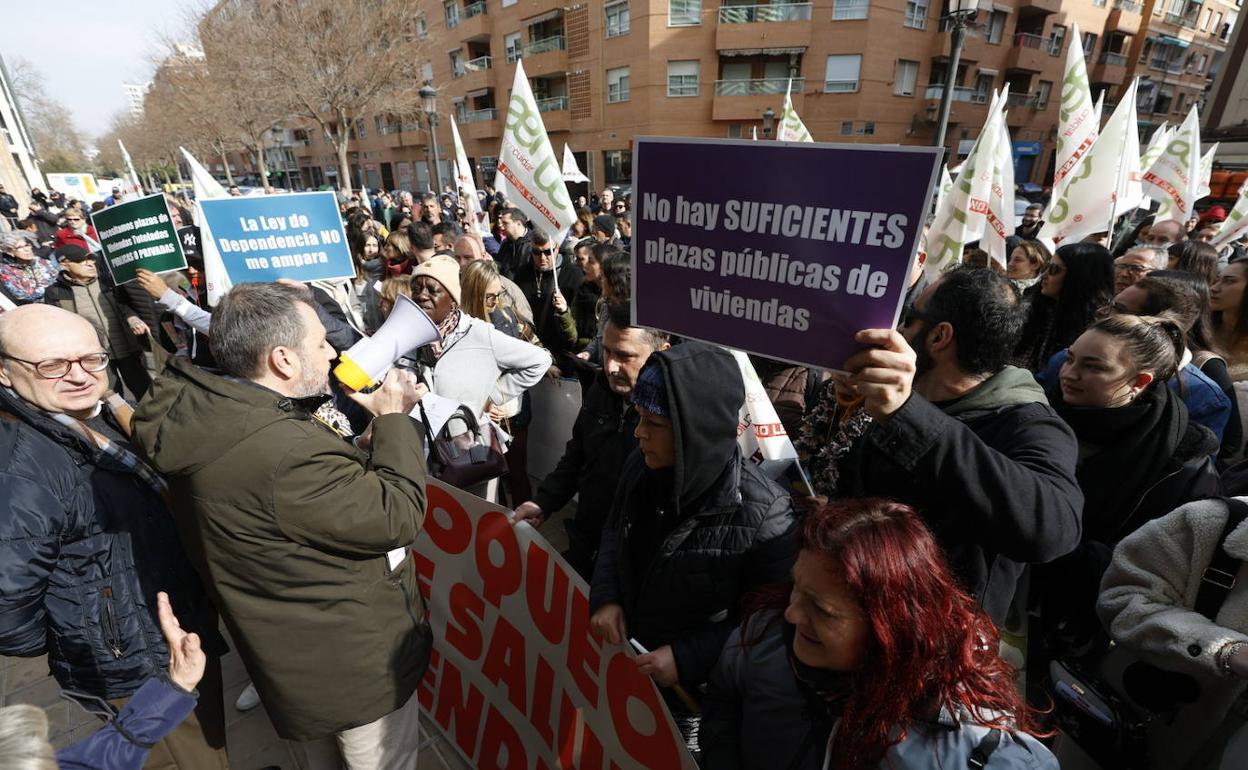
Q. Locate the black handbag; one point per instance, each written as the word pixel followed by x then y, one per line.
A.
pixel 467 459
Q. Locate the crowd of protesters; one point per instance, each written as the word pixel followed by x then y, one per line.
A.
pixel 1015 495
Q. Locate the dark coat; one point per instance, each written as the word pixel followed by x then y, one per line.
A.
pixel 680 562
pixel 155 711
pixel 551 326
pixel 602 440
pixel 290 526
pixel 85 545
pixel 512 253
pixel 996 485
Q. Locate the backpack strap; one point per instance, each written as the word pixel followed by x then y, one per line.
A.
pixel 1219 577
pixel 983 751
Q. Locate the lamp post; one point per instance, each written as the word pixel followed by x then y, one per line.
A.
pixel 961 16
pixel 769 122
pixel 429 102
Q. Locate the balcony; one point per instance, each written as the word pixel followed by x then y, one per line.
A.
pixel 478 73
pixel 967 105
pixel 1030 53
pixel 474 23
pixel 544 56
pixel 1110 68
pixel 1124 18
pixel 1039 6
pixel 1023 102
pixel 783 25
pixel 1186 20
pixel 555 113
pixel 482 124
pixel 749 99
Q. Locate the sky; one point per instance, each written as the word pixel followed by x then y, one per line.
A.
pixel 86 51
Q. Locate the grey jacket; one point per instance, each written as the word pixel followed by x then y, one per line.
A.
pixel 756 717
pixel 1146 602
pixel 480 363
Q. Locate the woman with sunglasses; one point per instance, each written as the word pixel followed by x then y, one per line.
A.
pixel 1140 455
pixel 472 362
pixel 77 231
pixel 1078 281
pixel 872 656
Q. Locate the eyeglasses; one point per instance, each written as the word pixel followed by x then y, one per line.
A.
pixel 913 314
pixel 56 368
pixel 1133 269
pixel 492 299
pixel 73 219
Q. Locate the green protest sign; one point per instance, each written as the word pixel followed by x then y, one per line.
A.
pixel 138 234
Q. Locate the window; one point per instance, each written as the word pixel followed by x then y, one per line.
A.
pixel 847 128
pixel 618 165
pixel 617 19
pixel 904 78
pixel 983 88
pixel 1089 45
pixel 457 66
pixel 844 10
pixel 451 10
pixel 617 86
pixel 682 78
pixel 1178 106
pixel 461 110
pixel 684 13
pixel 1057 39
pixel 734 130
pixel 1165 97
pixel 1204 24
pixel 511 43
pixel 868 129
pixel 360 133
pixel 1201 64
pixel 426 71
pixel 916 14
pixel 489 163
pixel 1042 94
pixel 422 27
pixel 996 26
pixel 841 75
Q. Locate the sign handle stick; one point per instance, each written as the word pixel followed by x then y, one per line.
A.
pixel 684 696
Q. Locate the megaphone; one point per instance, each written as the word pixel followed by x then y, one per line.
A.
pixel 368 360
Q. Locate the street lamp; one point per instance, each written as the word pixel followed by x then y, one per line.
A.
pixel 961 16
pixel 769 122
pixel 429 102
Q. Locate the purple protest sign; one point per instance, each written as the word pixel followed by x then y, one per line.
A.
pixel 785 249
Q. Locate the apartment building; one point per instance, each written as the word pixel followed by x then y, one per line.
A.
pixel 873 71
pixel 19 169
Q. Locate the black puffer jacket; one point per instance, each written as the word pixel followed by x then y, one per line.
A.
pixel 602 440
pixel 680 560
pixel 85 544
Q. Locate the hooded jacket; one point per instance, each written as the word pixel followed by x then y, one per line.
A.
pixel 289 526
pixel 85 545
pixel 992 474
pixel 684 545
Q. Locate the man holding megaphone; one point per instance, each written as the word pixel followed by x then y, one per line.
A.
pixel 297 533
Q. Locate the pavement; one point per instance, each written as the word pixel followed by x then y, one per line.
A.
pixel 253 744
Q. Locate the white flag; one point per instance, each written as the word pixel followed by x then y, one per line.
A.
pixel 1236 223
pixel 754 132
pixel 999 223
pixel 945 185
pixel 1098 108
pixel 529 173
pixel 1105 183
pixel 1156 146
pixel 207 188
pixel 1174 179
pixel 792 129
pixel 1206 172
pixel 760 434
pixel 961 217
pixel 466 187
pixel 1077 124
pixel 135 187
pixel 571 170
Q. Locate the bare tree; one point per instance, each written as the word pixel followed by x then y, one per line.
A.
pixel 59 144
pixel 335 63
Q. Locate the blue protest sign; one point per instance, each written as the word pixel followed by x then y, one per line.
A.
pixel 265 237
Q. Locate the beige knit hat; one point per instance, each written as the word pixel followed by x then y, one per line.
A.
pixel 444 270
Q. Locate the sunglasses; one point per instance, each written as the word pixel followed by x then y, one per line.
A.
pixel 548 252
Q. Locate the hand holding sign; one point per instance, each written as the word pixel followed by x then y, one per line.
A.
pixel 660 666
pixel 608 622
pixel 883 374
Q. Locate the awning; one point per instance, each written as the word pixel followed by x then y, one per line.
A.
pixel 763 51
pixel 1002 8
pixel 541 17
pixel 476 94
pixel 1171 40
pixel 989 71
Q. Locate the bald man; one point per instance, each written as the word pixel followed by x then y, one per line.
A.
pixel 86 541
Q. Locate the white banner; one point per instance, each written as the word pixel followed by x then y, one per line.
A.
pixel 792 129
pixel 1000 213
pixel 571 171
pixel 517 679
pixel 1236 223
pixel 1077 124
pixel 1156 146
pixel 1174 178
pixel 467 188
pixel 1206 172
pixel 529 173
pixel 132 179
pixel 207 188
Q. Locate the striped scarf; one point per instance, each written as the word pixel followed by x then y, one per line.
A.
pixel 125 457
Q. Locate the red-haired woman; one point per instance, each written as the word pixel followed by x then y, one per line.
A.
pixel 879 659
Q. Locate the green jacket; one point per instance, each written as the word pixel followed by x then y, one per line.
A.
pixel 289 526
